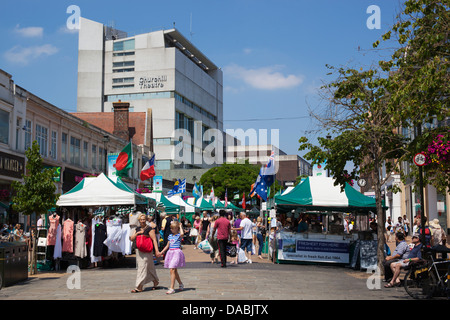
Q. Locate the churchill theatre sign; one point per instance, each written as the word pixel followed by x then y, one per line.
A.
pixel 152 82
pixel 11 165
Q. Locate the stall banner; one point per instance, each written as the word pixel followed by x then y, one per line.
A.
pixel 290 247
pixel 319 169
pixel 112 157
pixel 157 184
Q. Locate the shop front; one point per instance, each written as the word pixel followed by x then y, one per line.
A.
pixel 12 167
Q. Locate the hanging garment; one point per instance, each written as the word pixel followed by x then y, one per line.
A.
pixel 58 247
pixel 100 250
pixel 94 258
pixel 114 235
pixel 126 243
pixel 53 225
pixel 133 219
pixel 80 240
pixel 68 236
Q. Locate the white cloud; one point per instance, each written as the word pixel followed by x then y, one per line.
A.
pixel 266 78
pixel 63 29
pixel 21 55
pixel 29 32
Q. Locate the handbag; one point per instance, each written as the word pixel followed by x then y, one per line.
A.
pixel 144 244
pixel 231 250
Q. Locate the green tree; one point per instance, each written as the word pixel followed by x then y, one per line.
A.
pixel 37 191
pixel 233 178
pixel 363 134
pixel 419 80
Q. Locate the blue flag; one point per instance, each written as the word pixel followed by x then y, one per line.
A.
pixel 179 187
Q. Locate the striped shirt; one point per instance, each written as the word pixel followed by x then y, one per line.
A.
pixel 174 241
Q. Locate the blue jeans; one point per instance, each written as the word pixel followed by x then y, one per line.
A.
pixel 260 241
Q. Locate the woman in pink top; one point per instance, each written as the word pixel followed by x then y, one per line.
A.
pixel 197 223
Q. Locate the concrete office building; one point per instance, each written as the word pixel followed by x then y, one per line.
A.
pixel 161 71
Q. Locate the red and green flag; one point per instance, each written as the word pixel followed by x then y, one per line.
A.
pixel 124 161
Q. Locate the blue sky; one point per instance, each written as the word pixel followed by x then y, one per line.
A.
pixel 273 53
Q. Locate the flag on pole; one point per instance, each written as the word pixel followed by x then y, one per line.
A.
pixel 148 171
pixel 212 197
pixel 182 187
pixel 196 192
pixel 269 170
pixel 226 198
pixel 124 161
pixel 179 187
pixel 243 200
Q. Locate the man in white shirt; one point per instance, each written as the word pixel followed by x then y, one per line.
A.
pixel 246 235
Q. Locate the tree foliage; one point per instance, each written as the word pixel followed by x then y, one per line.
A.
pixel 37 192
pixel 233 178
pixel 419 81
pixel 362 133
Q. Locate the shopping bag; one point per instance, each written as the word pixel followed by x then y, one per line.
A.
pixel 231 250
pixel 241 256
pixel 193 232
pixel 253 249
pixel 204 245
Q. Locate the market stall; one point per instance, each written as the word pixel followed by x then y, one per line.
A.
pixel 201 204
pixel 93 221
pixel 323 233
pixel 169 207
pixel 189 210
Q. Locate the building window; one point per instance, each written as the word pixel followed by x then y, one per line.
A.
pixel 162 141
pixel 18 129
pixel 42 139
pixel 121 54
pixel 123 64
pixel 123 45
pixel 122 86
pixel 123 70
pixel 75 145
pixel 184 122
pixel 162 164
pixel 53 150
pixel 85 154
pixel 124 80
pixel 101 159
pixel 27 128
pixel 4 126
pixel 64 147
pixel 94 157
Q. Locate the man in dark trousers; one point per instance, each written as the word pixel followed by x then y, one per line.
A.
pixel 223 227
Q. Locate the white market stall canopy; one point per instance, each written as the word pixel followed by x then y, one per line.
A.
pixel 320 193
pixel 177 200
pixel 100 191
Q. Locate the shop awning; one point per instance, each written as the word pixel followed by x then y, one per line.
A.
pixel 100 191
pixel 320 193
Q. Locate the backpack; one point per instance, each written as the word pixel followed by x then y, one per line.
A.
pixel 427 236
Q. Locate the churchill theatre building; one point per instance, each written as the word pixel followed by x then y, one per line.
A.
pixel 161 71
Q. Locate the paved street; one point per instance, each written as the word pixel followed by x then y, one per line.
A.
pixel 260 280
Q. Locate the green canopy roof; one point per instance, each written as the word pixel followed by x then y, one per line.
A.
pixel 320 193
pixel 204 205
pixel 170 207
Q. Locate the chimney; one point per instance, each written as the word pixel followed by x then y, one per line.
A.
pixel 121 120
